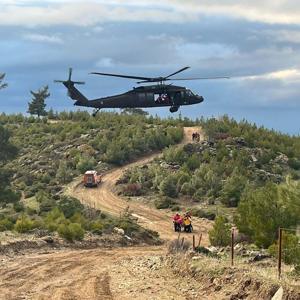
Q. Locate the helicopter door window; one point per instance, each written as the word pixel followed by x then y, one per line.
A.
pixel 157 98
pixel 161 98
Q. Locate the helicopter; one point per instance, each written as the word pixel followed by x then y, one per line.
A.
pixel 159 94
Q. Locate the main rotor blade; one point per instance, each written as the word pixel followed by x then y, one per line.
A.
pixel 181 70
pixel 198 78
pixel 122 76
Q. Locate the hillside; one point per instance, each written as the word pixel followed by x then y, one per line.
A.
pixel 216 170
pixel 221 174
pixel 51 153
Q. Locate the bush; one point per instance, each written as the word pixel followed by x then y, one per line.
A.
pixel 232 190
pixel 54 218
pixel 23 224
pixel 163 203
pixel 69 206
pixel 127 225
pixel 132 189
pixel 71 232
pixel 18 206
pixel 6 224
pixel 220 234
pixel 85 164
pixel 96 227
pixel 290 249
pixel 168 187
pixel 200 213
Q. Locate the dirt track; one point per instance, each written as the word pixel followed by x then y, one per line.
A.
pixel 121 273
pixel 159 220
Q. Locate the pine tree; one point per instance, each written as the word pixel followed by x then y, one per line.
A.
pixel 37 104
pixel 2 85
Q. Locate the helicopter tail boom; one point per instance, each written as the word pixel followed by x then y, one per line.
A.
pixel 73 92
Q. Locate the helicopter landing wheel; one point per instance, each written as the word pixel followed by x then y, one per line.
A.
pixel 95 112
pixel 174 109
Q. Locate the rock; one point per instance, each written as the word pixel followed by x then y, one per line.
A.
pixel 281 158
pixel 119 231
pixel 212 249
pixel 259 257
pixel 278 295
pixel 48 239
pixel 254 159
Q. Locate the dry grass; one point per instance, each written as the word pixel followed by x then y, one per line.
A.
pixel 178 246
pixel 266 271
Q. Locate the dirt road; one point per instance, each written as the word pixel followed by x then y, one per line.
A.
pixel 159 220
pixel 127 273
pixel 120 273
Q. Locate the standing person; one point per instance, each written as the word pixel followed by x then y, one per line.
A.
pixel 187 222
pixel 177 220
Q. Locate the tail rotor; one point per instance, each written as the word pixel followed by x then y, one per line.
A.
pixel 69 82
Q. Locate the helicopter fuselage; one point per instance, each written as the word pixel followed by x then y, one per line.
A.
pixel 147 96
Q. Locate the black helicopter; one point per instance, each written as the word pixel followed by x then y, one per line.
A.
pixel 157 95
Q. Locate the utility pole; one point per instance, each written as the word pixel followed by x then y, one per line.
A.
pixel 279 251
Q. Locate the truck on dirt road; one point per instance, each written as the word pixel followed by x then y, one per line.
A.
pixel 91 179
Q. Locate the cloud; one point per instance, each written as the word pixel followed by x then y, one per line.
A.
pixel 43 38
pixel 93 12
pixel 83 14
pixel 289 75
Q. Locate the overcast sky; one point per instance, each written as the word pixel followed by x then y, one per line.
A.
pixel 255 42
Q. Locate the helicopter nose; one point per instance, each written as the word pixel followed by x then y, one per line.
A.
pixel 200 99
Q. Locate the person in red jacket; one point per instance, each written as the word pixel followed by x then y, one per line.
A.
pixel 177 220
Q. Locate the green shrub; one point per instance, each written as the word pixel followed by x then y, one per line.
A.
pixel 128 225
pixel 220 233
pixel 168 187
pixel 71 232
pixel 85 163
pixel 19 206
pixel 163 203
pixel 23 224
pixel 96 227
pixel 6 224
pixel 54 218
pixel 46 205
pixel 80 219
pixel 290 249
pixel 200 213
pixel 232 190
pixel 69 206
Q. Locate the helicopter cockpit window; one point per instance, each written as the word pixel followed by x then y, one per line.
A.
pixel 189 93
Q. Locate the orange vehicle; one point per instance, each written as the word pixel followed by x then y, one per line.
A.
pixel 91 179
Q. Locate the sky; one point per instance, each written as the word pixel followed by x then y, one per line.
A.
pixel 256 43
